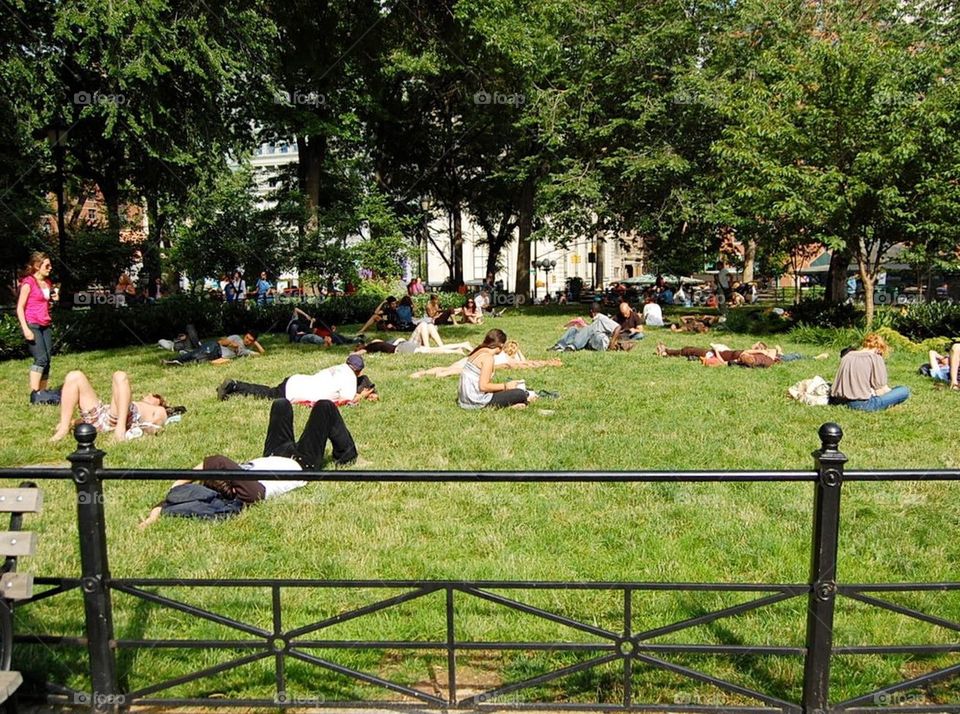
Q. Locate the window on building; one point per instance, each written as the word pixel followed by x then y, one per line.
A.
pixel 479 262
pixel 91 214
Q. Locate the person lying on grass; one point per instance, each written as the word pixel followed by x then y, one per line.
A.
pixel 944 367
pixel 418 343
pixel 509 358
pixel 758 355
pixel 477 390
pixel 147 416
pixel 219 351
pixel 308 330
pixel 282 451
pixel 340 384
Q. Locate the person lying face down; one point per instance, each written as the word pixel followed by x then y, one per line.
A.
pixel 282 451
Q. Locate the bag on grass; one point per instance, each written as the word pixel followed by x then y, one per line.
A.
pixel 814 391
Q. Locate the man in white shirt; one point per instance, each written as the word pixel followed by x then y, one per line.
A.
pixel 339 384
pixel 282 451
pixel 724 279
pixel 652 314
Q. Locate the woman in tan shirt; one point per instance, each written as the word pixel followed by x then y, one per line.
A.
pixel 861 381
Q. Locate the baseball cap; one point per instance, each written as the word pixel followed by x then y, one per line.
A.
pixel 355 362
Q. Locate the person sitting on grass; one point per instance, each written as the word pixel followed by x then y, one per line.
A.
pixel 470 313
pixel 509 358
pixel 652 312
pixel 418 343
pixel 385 317
pixel 438 315
pixel 758 355
pixel 943 367
pixel 477 390
pixel 147 416
pixel 341 384
pixel 598 335
pixel 631 323
pixel 861 380
pixel 282 451
pixel 219 351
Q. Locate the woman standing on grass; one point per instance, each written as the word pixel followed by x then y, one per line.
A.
pixel 33 312
pixel 861 381
pixel 476 388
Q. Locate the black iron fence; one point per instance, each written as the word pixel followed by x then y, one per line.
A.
pixel 623 647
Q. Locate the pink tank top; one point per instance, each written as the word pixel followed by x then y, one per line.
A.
pixel 37 309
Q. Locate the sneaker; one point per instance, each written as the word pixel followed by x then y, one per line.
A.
pixel 171 363
pixel 165 345
pixel 225 389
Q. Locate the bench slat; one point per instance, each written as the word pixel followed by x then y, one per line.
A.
pixel 20 500
pixel 17 543
pixel 9 682
pixel 16 586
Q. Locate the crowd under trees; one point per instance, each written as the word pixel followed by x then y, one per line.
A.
pixel 789 122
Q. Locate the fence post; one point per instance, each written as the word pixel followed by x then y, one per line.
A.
pixel 87 463
pixel 828 461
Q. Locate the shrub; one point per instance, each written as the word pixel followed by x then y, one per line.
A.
pixel 12 344
pixel 827 336
pixel 756 321
pixel 822 313
pixel 924 320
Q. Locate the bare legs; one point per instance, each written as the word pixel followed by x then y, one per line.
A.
pixel 78 393
pixel 954 364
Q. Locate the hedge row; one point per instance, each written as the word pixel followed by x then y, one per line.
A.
pixel 102 326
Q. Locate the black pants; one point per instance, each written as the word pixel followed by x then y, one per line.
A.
pixel 508 397
pixel 260 391
pixel 206 352
pixel 325 423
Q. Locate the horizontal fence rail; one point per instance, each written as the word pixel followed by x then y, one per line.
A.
pixel 621 646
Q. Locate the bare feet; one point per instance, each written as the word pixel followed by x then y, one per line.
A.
pixel 518 406
pixel 661 350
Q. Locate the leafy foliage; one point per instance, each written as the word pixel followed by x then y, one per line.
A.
pixel 823 313
pixel 924 320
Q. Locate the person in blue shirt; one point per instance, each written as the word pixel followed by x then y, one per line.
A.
pixel 264 289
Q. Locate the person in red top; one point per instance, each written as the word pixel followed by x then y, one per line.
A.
pixel 33 312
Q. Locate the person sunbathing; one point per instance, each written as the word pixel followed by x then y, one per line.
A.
pixel 418 343
pixel 758 355
pixel 509 358
pixel 697 324
pixel 282 451
pixel 944 367
pixel 147 416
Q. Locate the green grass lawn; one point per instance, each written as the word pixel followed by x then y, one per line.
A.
pixel 618 411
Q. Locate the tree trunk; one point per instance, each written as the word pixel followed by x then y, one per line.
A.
pixel 749 258
pixel 868 281
pixel 457 245
pixel 156 224
pixel 598 266
pixel 522 279
pixel 837 276
pixel 312 152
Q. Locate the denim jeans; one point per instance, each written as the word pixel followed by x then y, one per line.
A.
pixel 580 338
pixel 875 404
pixel 40 349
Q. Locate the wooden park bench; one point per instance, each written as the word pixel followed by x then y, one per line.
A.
pixel 14 586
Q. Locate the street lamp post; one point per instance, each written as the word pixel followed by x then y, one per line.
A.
pixel 546 265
